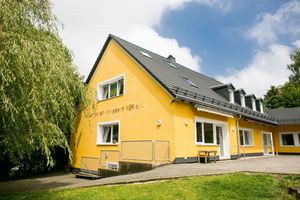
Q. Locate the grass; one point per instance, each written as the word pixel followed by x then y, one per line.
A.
pixel 229 186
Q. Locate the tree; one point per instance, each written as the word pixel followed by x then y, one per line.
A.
pixel 295 67
pixel 272 98
pixel 40 89
pixel 287 95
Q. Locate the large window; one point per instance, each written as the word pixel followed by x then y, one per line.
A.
pixel 206 132
pixel 108 133
pixel 290 139
pixel 111 88
pixel 246 137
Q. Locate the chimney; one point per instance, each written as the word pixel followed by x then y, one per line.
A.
pixel 171 58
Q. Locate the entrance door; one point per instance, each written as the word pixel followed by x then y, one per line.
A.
pixel 222 141
pixel 268 143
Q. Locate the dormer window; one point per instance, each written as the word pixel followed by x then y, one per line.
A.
pixel 253 105
pixel 231 96
pixel 243 104
pixel 110 88
pixel 251 101
pixel 259 105
pixel 226 91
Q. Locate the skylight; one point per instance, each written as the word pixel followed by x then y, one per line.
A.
pixel 145 54
pixel 172 65
pixel 190 82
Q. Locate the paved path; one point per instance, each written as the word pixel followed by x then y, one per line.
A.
pixel 277 164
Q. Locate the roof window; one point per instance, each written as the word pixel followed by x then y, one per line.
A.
pixel 145 54
pixel 172 65
pixel 189 82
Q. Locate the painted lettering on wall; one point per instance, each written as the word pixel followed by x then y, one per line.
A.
pixel 111 111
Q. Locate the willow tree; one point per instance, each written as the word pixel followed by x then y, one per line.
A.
pixel 40 89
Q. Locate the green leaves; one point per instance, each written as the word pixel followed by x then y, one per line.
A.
pixel 40 89
pixel 288 95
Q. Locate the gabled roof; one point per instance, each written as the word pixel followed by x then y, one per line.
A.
pixel 285 115
pixel 181 82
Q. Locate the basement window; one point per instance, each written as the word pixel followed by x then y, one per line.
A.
pixel 246 137
pixel 189 82
pixel 145 54
pixel 110 88
pixel 108 133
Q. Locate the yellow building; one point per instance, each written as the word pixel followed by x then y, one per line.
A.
pixel 149 110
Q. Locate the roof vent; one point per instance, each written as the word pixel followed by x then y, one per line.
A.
pixel 171 58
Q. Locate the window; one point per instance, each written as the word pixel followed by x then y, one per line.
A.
pixel 253 104
pixel 111 88
pixel 189 82
pixel 246 137
pixel 172 65
pixel 290 139
pixel 261 107
pixel 243 100
pixel 231 96
pixel 145 54
pixel 108 133
pixel 206 133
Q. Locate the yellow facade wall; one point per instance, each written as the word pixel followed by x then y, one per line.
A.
pixel 285 129
pixel 143 103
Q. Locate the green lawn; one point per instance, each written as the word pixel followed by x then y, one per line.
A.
pixel 229 186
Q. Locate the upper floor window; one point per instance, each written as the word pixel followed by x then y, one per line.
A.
pixel 108 133
pixel 246 137
pixel 111 88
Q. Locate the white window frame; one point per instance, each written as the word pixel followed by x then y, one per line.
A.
pixel 253 104
pixel 243 101
pixel 295 136
pixel 108 82
pixel 261 107
pixel 252 137
pixel 215 123
pixel 231 96
pixel 100 132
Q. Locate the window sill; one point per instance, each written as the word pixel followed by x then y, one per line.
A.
pixel 207 144
pixel 289 146
pixel 247 145
pixel 109 98
pixel 107 144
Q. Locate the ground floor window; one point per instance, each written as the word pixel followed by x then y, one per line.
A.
pixel 108 133
pixel 290 139
pixel 207 132
pixel 246 137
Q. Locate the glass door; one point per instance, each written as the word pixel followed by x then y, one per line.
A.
pixel 220 140
pixel 268 143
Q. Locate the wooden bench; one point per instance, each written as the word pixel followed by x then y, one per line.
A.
pixel 207 155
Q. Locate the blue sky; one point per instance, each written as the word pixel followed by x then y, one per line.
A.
pixel 217 37
pixel 246 43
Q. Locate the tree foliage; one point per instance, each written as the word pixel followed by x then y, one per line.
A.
pixel 40 89
pixel 295 67
pixel 287 95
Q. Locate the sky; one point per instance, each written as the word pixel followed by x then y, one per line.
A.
pixel 246 43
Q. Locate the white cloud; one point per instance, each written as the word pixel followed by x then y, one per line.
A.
pixel 284 22
pixel 296 43
pixel 265 69
pixel 88 23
